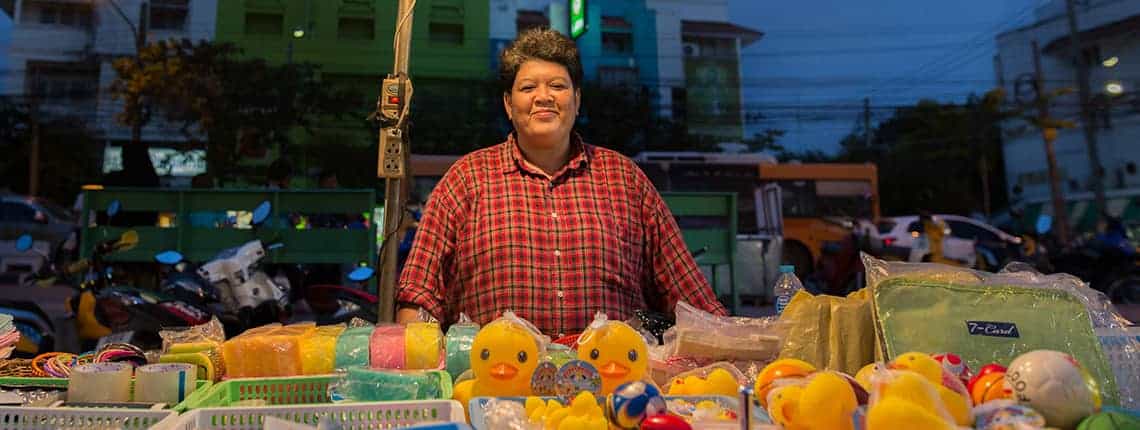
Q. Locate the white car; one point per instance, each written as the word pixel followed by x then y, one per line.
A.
pixel 901 236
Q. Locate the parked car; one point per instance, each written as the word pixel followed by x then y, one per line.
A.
pixel 899 236
pixel 44 220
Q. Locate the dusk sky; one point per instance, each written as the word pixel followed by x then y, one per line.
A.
pixel 819 58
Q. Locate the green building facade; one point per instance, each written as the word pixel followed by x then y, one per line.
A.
pixel 351 42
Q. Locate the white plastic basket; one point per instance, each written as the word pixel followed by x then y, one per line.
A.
pixel 1122 346
pixel 350 416
pixel 29 418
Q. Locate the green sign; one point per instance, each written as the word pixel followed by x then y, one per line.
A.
pixel 577 18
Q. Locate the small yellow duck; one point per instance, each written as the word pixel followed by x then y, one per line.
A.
pixel 827 401
pixel 618 352
pixel 958 404
pixel 907 401
pixel 504 355
pixel 719 382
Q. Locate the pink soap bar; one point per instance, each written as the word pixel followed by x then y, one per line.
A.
pixel 386 348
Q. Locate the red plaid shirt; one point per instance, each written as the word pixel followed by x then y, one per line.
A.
pixel 497 234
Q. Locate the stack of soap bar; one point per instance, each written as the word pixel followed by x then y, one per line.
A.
pixel 274 352
pixel 352 347
pixel 386 347
pixel 318 351
pixel 423 346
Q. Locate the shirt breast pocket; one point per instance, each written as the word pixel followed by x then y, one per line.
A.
pixel 620 242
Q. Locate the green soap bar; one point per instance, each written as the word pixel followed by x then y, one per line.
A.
pixel 377 385
pixel 352 347
pixel 458 343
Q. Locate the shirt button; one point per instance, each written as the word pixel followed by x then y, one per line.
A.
pixel 554 215
pixel 557 253
pixel 560 294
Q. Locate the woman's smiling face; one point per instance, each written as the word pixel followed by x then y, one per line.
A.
pixel 543 103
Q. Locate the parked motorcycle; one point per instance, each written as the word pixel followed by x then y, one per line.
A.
pixel 334 304
pixel 232 285
pixel 105 311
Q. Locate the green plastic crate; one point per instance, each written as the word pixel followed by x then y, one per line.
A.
pixel 61 383
pixel 292 390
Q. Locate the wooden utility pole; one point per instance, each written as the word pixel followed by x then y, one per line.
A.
pixel 1049 133
pixel 392 161
pixel 1087 122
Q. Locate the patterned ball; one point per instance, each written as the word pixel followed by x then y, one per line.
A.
pixel 632 402
pixel 955 365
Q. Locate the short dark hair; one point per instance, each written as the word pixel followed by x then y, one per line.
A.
pixel 540 43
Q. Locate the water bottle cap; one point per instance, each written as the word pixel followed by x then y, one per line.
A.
pixel 787 268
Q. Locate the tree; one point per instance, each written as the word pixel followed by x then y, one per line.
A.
pixel 237 104
pixel 766 141
pixel 66 145
pixel 935 156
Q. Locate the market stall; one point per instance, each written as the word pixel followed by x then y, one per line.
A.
pixel 923 346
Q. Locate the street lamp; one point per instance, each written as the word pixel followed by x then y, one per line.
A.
pixel 298 33
pixel 1114 88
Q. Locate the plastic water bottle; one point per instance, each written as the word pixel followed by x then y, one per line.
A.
pixel 786 286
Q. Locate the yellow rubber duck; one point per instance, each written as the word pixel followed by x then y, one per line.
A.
pixel 831 400
pixel 863 377
pixel 618 352
pixel 784 407
pixel 958 404
pixel 504 355
pixel 907 398
pixel 584 413
pixel 895 413
pixel 784 368
pixel 718 383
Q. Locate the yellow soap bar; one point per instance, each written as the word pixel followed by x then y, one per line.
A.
pixel 423 346
pixel 270 352
pixel 318 350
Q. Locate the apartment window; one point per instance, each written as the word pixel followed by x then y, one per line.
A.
pixel 617 76
pixel 62 14
pixel 709 47
pixel 680 103
pixel 617 43
pixel 264 24
pixel 356 28
pixel 169 14
pixel 62 82
pixel 445 33
pixel 446 23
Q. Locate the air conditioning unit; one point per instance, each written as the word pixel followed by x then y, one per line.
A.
pixel 691 49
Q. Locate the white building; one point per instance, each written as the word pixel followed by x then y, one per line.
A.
pixel 1108 31
pixel 63 50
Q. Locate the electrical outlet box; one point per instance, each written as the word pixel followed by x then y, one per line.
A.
pixel 392 99
pixel 391 159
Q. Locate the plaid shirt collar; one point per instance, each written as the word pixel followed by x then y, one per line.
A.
pixel 513 160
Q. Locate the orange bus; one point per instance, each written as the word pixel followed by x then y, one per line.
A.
pixel 819 199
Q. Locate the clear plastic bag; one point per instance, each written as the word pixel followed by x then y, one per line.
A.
pixel 270 351
pixel 318 350
pixel 352 347
pixel 362 384
pixel 205 339
pixel 457 344
pixel 904 399
pixel 703 335
pixel 995 317
pixel 717 379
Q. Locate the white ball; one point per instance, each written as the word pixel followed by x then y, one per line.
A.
pixel 1054 384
